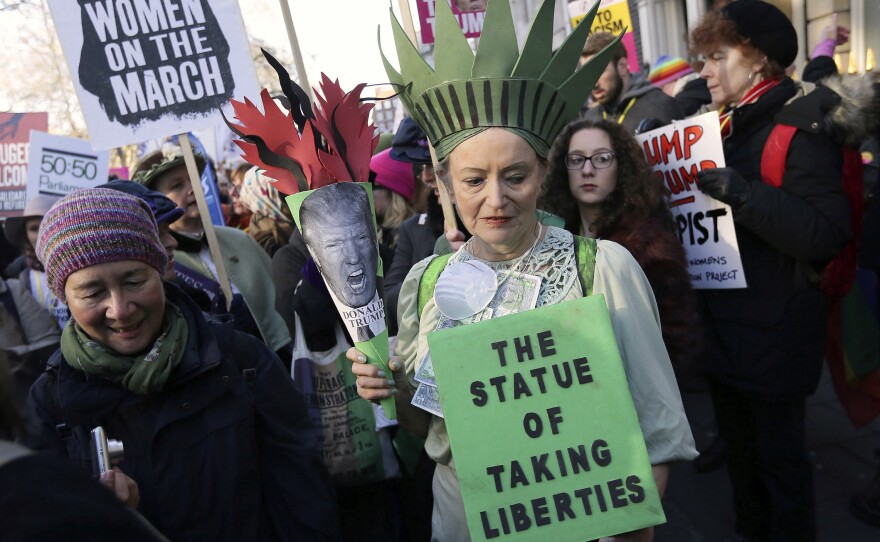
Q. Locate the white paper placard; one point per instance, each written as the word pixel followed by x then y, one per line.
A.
pixel 59 165
pixel 676 153
pixel 145 69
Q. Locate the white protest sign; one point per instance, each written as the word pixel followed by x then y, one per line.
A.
pixel 676 153
pixel 145 69
pixel 59 165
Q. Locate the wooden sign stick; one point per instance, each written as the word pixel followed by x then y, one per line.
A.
pixel 449 223
pixel 211 236
pixel 294 48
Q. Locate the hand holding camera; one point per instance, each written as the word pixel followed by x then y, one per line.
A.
pixel 106 455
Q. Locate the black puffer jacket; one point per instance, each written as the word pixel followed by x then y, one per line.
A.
pixel 767 339
pixel 225 455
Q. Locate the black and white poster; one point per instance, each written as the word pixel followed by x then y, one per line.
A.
pixel 145 69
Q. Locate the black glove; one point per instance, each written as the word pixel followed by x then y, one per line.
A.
pixel 725 184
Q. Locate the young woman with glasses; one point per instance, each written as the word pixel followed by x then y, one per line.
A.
pixel 599 183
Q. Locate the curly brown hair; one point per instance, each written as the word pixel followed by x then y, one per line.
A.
pixel 637 195
pixel 716 31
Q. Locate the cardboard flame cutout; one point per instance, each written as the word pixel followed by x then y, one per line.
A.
pixel 333 143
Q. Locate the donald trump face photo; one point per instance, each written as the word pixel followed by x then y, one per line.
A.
pixel 338 227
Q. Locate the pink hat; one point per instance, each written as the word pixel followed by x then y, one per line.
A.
pixel 393 174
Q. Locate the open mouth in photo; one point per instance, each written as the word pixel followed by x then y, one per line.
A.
pixel 357 281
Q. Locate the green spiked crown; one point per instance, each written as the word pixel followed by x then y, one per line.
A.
pixel 533 93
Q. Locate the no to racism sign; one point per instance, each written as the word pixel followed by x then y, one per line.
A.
pixel 613 16
pixel 145 69
pixel 676 153
pixel 15 133
pixel 550 385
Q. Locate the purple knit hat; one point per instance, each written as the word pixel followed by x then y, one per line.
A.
pixel 94 226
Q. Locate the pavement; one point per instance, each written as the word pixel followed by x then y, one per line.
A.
pixel 699 506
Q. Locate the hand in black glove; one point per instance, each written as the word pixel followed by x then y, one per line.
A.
pixel 724 184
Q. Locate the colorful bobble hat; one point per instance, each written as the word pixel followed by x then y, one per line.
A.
pixel 668 69
pixel 94 226
pixel 533 93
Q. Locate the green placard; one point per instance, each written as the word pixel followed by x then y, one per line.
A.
pixel 338 226
pixel 544 434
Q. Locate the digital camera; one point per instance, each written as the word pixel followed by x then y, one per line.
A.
pixel 105 452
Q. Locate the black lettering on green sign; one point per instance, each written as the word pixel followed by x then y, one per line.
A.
pixel 601 497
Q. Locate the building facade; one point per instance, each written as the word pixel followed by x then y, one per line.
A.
pixel 671 19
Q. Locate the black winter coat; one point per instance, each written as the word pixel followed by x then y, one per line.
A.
pixel 767 339
pixel 415 242
pixel 225 455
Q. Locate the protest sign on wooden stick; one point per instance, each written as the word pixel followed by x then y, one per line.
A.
pixel 449 223
pixel 146 70
pixel 205 214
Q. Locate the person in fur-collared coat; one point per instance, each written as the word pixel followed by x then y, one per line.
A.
pixel 599 183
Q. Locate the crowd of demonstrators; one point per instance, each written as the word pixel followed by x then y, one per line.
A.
pixel 247 265
pixel 271 223
pixel 599 183
pixel 201 409
pixel 112 315
pixel 624 97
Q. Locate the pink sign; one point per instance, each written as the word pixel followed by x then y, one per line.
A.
pixel 120 172
pixel 469 14
pixel 15 134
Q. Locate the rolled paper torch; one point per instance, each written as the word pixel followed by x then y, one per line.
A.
pixel 321 157
pixel 338 225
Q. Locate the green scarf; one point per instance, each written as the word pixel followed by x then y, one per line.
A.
pixel 144 375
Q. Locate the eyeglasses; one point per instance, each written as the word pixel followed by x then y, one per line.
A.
pixel 600 160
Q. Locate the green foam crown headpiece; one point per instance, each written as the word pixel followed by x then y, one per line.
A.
pixel 535 92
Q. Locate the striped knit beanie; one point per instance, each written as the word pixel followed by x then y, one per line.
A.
pixel 94 226
pixel 668 69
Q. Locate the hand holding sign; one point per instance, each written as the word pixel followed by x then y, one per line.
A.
pixel 686 154
pixel 314 154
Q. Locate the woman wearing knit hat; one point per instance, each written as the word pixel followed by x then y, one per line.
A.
pixel 766 341
pixel 393 190
pixel 670 74
pixel 491 119
pixel 165 211
pixel 212 428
